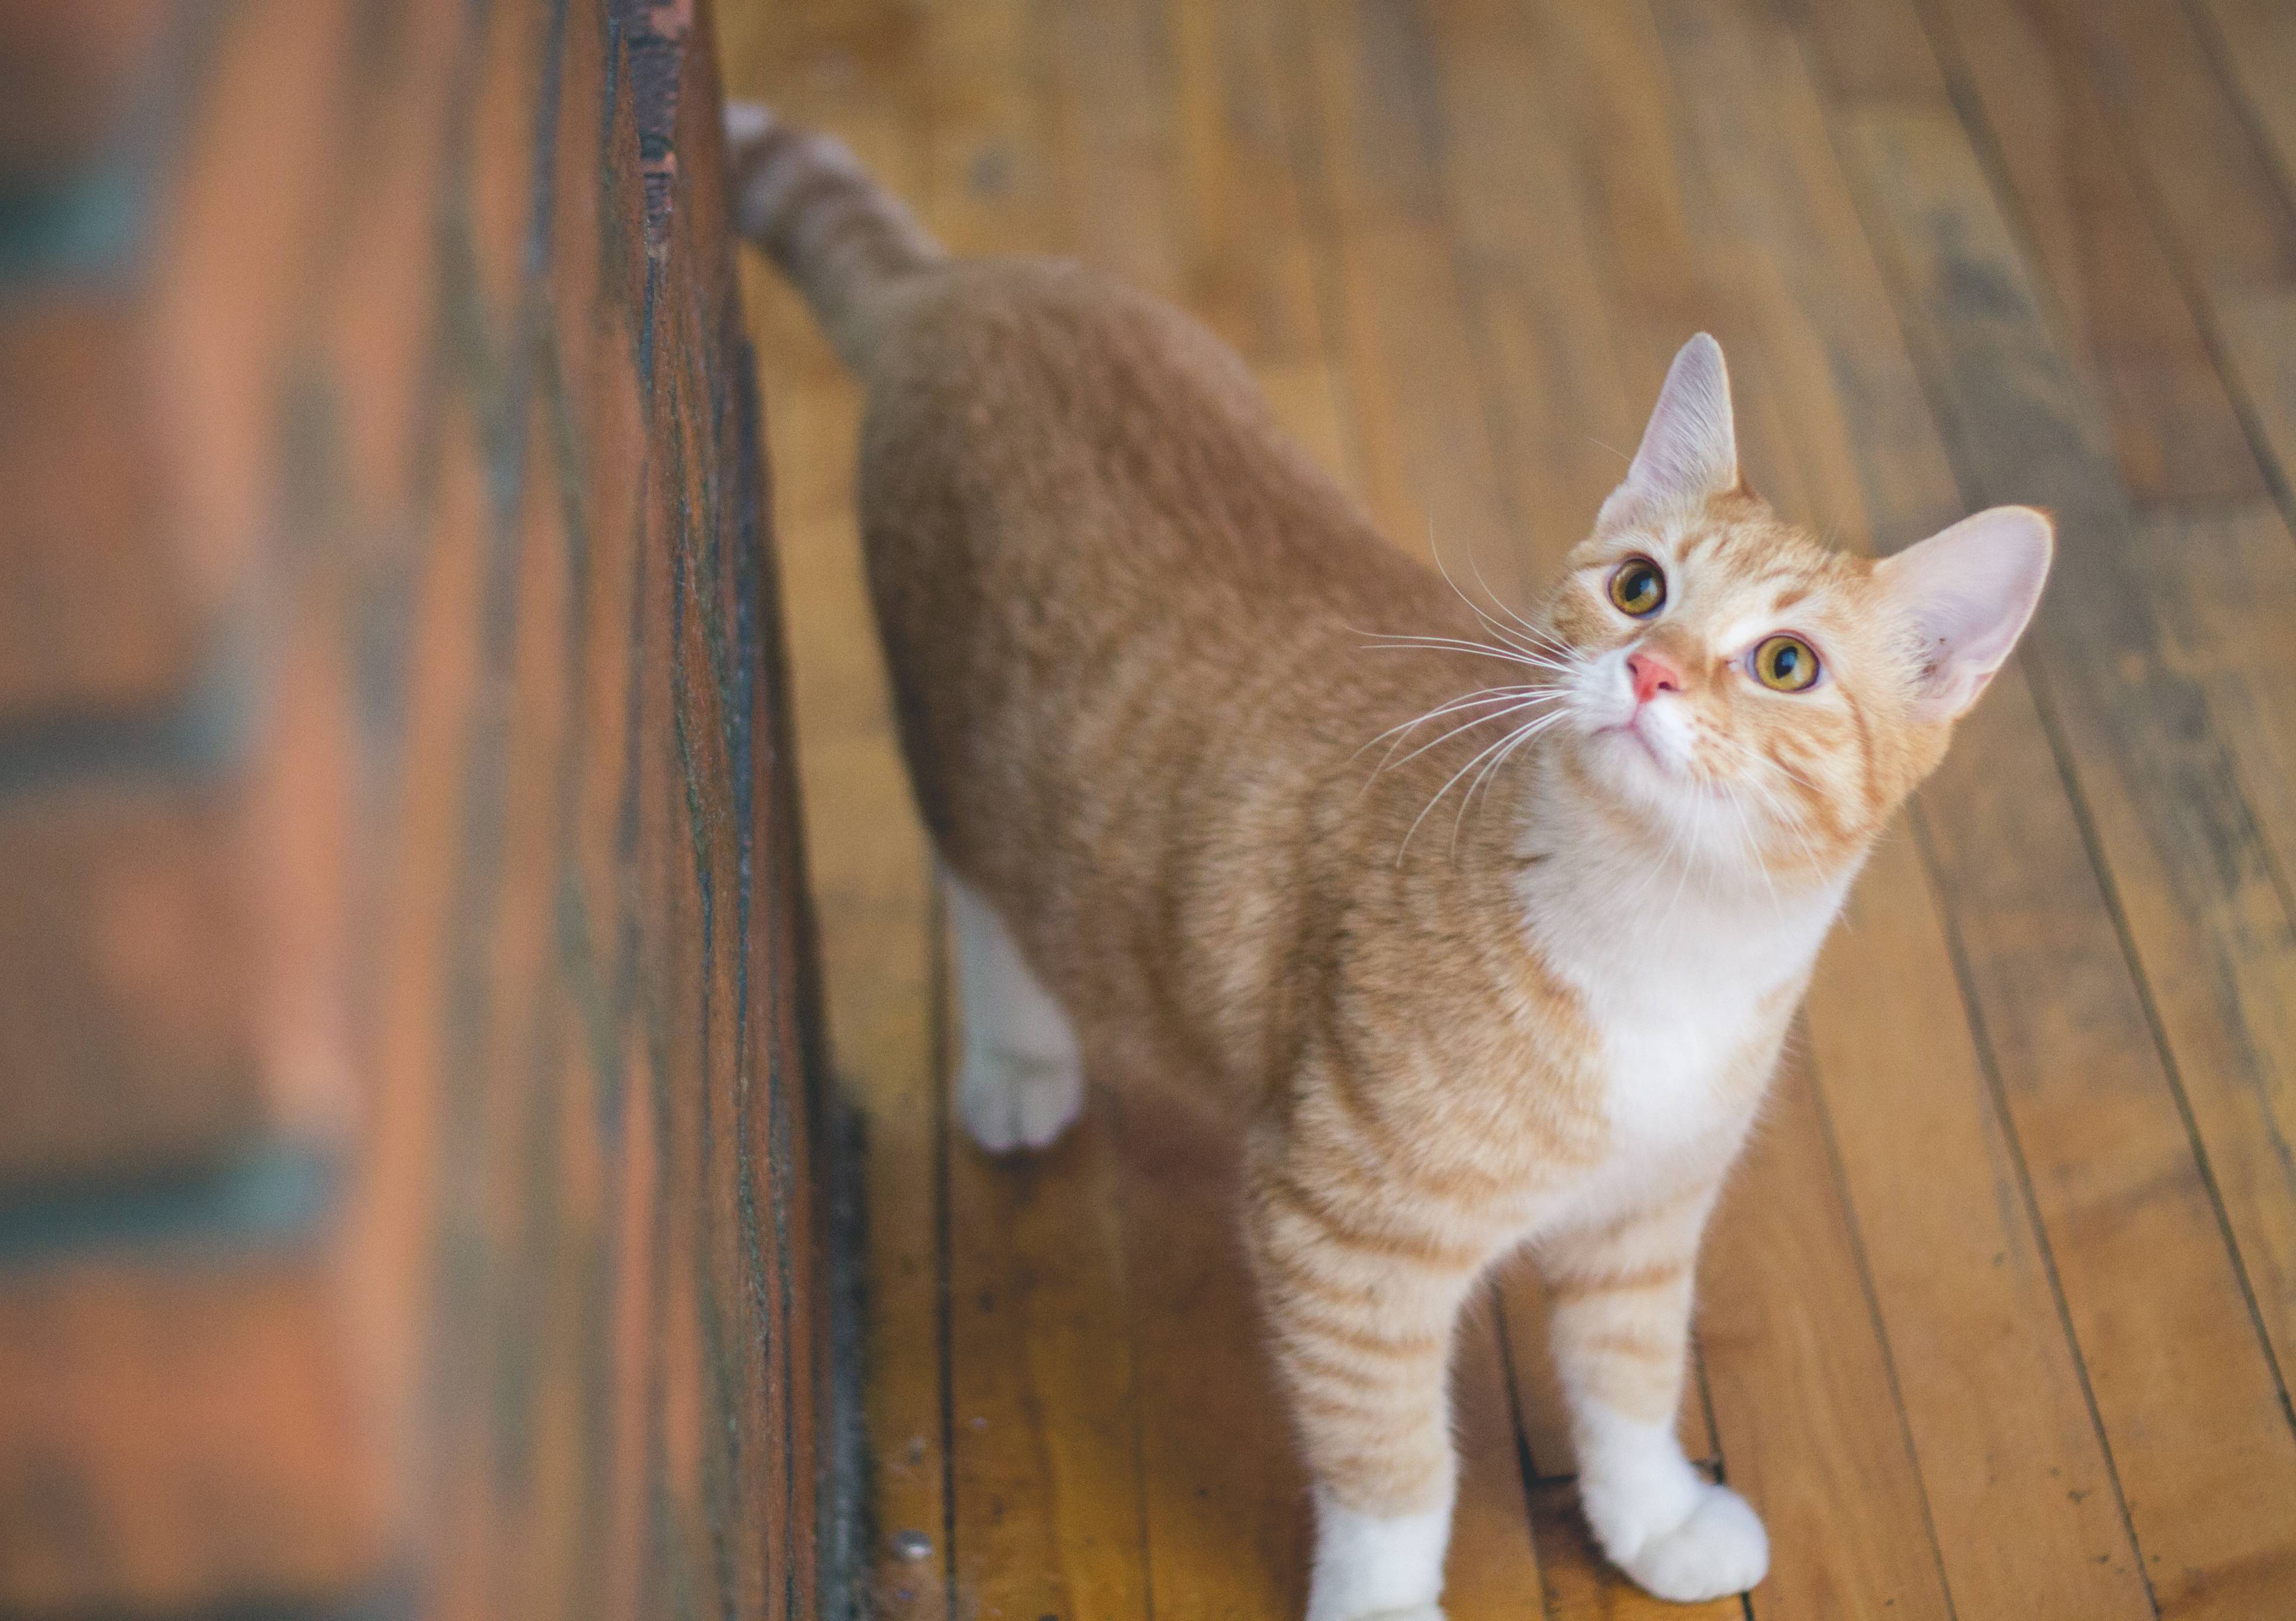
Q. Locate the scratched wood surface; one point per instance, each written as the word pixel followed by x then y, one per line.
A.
pixel 1999 1316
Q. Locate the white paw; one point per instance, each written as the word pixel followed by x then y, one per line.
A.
pixel 1010 1100
pixel 1719 1548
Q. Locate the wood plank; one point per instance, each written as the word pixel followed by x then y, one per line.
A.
pixel 2256 49
pixel 1992 1388
pixel 1253 247
pixel 1110 95
pixel 2097 244
pixel 1227 1500
pixel 1429 464
pixel 2259 330
pixel 2225 599
pixel 1528 262
pixel 1874 52
pixel 2160 82
pixel 2162 70
pixel 1049 1512
pixel 2216 1041
pixel 992 183
pixel 1248 263
pixel 2165 81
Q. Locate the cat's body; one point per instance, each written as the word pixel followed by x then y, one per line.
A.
pixel 1140 644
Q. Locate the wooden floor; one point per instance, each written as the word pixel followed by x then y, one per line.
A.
pixel 1997 1319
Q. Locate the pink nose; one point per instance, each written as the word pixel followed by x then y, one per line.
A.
pixel 1652 676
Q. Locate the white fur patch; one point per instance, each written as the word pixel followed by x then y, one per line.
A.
pixel 1679 1535
pixel 1367 1566
pixel 1020 1081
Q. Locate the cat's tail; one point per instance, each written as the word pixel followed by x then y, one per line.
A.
pixel 845 241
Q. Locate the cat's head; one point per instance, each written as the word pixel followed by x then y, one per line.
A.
pixel 1747 692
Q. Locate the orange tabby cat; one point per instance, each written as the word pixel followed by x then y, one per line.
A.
pixel 1516 975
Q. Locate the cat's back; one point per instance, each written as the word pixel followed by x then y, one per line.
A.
pixel 1039 400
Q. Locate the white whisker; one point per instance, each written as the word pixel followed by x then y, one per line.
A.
pixel 1480 695
pixel 1509 696
pixel 1522 735
pixel 1540 640
pixel 1381 641
pixel 1539 637
pixel 1516 709
pixel 1439 792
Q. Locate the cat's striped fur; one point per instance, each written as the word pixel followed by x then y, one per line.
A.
pixel 1516 974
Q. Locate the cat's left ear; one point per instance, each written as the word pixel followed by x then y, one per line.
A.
pixel 1689 450
pixel 1969 592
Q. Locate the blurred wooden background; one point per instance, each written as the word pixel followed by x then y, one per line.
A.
pixel 406 1138
pixel 1999 1318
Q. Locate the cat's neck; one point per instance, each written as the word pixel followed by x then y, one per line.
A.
pixel 1616 903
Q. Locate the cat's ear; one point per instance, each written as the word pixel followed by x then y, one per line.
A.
pixel 1969 592
pixel 1690 450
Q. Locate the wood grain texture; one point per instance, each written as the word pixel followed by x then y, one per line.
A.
pixel 2097 248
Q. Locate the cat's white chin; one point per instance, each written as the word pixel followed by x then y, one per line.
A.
pixel 1629 738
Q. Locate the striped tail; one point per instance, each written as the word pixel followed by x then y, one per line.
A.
pixel 841 237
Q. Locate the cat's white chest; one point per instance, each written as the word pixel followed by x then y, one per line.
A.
pixel 1673 1044
pixel 1683 1008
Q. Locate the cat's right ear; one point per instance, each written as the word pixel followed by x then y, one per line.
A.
pixel 1689 452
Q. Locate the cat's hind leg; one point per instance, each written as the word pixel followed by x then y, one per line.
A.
pixel 1020 1081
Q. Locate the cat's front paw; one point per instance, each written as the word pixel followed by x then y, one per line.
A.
pixel 1718 1548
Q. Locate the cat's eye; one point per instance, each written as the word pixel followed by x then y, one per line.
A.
pixel 1785 664
pixel 1637 588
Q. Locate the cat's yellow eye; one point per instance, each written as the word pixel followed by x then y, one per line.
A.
pixel 1785 664
pixel 1637 588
